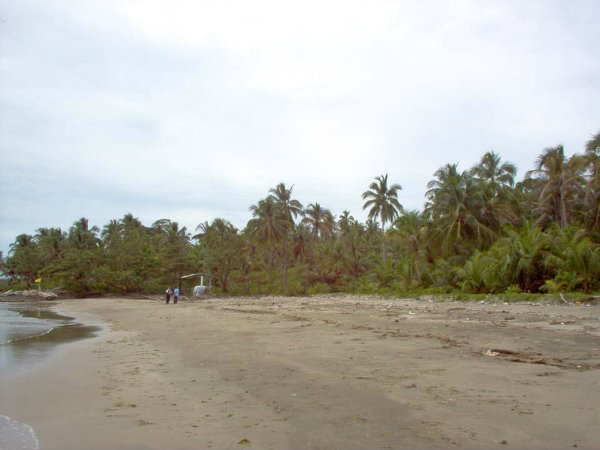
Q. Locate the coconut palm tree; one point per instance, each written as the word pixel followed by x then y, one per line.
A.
pixel 383 200
pixel 455 204
pixel 410 230
pixel 497 176
pixel 268 221
pixel 527 250
pixel 111 234
pixel 558 180
pixel 592 189
pixel 283 196
pixel 23 261
pixel 496 180
pixel 291 208
pixel 82 237
pixel 344 223
pixel 221 249
pixel 50 242
pixel 268 224
pixel 319 219
pixel 131 223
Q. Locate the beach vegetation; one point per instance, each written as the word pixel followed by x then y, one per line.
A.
pixel 481 232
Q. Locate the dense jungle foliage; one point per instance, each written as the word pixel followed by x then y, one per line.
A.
pixel 480 232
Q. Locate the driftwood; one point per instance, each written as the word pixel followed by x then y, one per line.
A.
pixel 505 352
pixel 31 293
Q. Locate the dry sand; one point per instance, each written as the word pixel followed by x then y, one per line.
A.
pixel 321 372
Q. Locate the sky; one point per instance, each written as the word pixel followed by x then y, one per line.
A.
pixel 191 110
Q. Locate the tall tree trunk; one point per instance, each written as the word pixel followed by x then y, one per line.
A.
pixel 285 265
pixel 563 209
pixel 383 239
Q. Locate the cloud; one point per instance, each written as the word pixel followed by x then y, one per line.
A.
pixel 191 109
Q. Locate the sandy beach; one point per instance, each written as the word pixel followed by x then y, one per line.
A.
pixel 323 372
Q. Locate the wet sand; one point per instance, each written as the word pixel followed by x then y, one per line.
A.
pixel 321 372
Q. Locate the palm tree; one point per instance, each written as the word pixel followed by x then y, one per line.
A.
pixel 576 258
pixel 131 223
pixel 527 251
pixel 173 244
pixel 592 191
pixel 411 231
pixel 383 200
pixel 558 179
pixel 474 273
pixel 111 234
pixel 291 209
pixel 23 260
pixel 268 221
pixel 383 203
pixel 50 241
pixel 496 179
pixel 221 248
pixel 497 176
pixel 21 241
pixel 593 145
pixel 455 204
pixel 319 219
pixel 344 223
pixel 268 225
pixel 283 196
pixel 82 237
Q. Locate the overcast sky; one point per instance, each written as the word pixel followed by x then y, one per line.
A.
pixel 191 110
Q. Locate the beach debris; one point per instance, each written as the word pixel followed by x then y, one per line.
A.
pixel 411 313
pixel 244 442
pixel 31 293
pixel 491 353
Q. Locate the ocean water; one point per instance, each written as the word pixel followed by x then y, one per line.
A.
pixel 29 332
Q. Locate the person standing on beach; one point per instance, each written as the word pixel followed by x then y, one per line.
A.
pixel 175 295
pixel 168 294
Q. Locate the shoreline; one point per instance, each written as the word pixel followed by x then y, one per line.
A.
pixel 318 372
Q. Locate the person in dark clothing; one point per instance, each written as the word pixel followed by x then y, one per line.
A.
pixel 168 294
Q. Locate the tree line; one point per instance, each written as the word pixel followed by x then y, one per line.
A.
pixel 479 232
